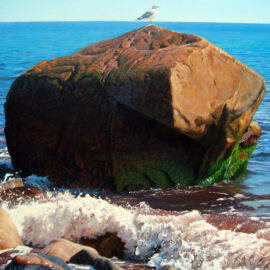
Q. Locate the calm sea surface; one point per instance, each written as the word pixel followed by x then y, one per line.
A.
pixel 23 45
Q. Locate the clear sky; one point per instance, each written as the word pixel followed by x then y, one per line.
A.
pixel 249 11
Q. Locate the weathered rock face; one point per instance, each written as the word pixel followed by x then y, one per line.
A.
pixel 150 108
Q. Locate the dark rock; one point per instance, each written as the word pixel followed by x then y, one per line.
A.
pixel 108 245
pixel 34 261
pixel 151 108
pixel 83 257
pixel 105 264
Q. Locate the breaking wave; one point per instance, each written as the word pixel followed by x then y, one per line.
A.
pixel 185 240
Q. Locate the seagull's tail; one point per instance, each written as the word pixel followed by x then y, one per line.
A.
pixel 139 19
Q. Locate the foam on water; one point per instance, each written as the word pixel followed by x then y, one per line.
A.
pixel 185 240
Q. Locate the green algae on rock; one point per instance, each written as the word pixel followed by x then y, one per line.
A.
pixel 228 168
pixel 151 108
pixel 232 166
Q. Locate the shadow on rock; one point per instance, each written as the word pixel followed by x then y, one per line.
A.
pixel 108 245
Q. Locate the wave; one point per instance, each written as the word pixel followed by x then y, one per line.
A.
pixel 185 240
pixel 260 155
pixel 24 62
pixel 7 78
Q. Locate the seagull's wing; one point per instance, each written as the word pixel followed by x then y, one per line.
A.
pixel 146 15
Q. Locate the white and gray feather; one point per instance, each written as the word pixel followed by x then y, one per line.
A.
pixel 149 14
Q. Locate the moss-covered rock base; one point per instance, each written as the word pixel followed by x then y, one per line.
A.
pixel 229 168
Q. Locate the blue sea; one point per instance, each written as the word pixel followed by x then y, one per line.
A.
pixel 23 45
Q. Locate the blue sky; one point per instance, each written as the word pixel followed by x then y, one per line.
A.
pixel 249 11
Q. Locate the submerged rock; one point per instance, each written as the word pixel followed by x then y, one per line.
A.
pixel 151 108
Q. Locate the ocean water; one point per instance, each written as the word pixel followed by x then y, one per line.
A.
pixel 226 226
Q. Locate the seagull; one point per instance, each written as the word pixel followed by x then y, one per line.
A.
pixel 149 14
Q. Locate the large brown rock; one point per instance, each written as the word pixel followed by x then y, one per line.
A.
pixel 149 108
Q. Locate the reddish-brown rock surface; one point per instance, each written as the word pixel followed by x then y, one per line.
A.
pixel 21 194
pixel 149 108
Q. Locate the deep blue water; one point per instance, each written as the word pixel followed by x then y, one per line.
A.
pixel 24 44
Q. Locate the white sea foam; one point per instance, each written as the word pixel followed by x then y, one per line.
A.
pixel 21 250
pixel 239 196
pixel 185 240
pixel 4 154
pixel 7 177
pixel 221 199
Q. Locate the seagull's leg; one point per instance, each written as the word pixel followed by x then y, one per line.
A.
pixel 150 21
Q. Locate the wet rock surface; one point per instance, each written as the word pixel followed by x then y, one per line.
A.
pixel 251 135
pixel 13 183
pixel 60 255
pixel 151 108
pixel 20 194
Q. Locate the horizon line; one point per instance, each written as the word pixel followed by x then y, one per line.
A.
pixel 134 21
